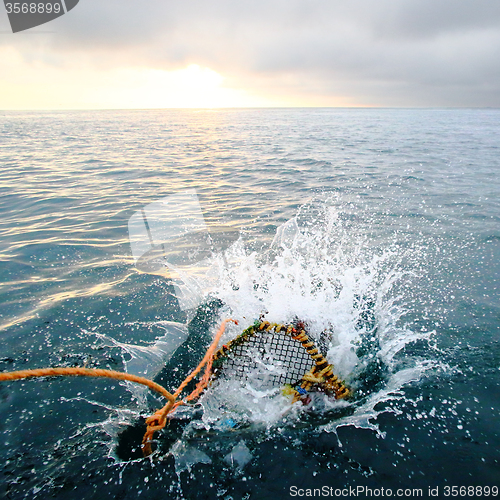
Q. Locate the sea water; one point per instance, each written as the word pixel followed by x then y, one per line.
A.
pixel 379 226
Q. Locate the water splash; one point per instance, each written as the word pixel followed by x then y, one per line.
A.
pixel 354 299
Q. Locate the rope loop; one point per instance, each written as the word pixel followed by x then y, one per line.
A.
pixel 158 420
pixel 321 373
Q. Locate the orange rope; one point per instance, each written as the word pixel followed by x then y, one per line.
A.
pixel 158 420
pixel 155 422
pixel 85 372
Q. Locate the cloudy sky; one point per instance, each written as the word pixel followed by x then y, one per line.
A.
pixel 213 53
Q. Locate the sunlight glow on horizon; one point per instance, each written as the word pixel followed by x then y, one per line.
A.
pixel 35 85
pixel 39 86
pixel 190 87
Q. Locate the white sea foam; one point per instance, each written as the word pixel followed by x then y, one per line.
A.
pixel 353 299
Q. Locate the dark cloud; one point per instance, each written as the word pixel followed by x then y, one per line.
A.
pixel 387 52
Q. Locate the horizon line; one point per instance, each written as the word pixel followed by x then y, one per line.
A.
pixel 223 108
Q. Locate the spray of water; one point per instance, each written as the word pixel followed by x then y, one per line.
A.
pixel 354 299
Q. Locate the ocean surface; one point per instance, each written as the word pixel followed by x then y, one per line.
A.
pixel 379 226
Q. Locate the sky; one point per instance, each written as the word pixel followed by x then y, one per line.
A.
pixel 109 54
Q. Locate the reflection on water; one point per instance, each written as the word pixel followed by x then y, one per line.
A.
pixel 398 258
